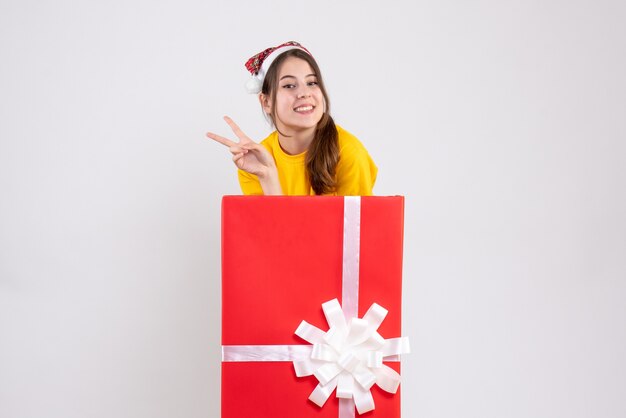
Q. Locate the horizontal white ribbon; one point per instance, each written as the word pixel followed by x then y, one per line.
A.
pixel 237 353
pixel 272 353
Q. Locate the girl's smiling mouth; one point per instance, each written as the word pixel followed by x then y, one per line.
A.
pixel 304 109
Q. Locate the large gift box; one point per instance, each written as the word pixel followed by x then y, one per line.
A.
pixel 282 353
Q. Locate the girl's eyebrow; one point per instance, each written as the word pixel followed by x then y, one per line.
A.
pixel 291 76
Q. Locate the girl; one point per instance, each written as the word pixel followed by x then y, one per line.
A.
pixel 307 154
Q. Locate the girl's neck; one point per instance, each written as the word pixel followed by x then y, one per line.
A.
pixel 297 142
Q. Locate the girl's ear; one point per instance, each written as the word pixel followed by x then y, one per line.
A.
pixel 266 103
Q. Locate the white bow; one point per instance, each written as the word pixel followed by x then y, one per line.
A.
pixel 349 357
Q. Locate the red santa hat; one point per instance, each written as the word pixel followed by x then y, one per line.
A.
pixel 259 64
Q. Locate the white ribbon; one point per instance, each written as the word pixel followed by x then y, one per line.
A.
pixel 351 254
pixel 349 356
pixel 265 352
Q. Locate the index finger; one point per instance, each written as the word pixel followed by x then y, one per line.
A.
pixel 237 130
pixel 221 139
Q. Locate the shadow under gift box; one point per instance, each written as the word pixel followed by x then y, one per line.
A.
pixel 281 259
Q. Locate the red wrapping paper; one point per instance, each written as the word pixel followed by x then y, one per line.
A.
pixel 281 259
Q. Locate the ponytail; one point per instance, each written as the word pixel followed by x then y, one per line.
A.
pixel 323 156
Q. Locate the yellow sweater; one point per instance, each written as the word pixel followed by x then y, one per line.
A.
pixel 356 171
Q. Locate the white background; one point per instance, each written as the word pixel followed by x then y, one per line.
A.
pixel 502 122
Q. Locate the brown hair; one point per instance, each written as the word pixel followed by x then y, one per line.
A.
pixel 323 153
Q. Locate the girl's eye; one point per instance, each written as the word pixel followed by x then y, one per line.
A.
pixel 312 83
pixel 289 86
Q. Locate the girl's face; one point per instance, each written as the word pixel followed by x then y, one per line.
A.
pixel 299 100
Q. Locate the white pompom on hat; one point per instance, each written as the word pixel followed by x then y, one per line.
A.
pixel 261 62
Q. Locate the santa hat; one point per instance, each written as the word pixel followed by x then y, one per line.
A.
pixel 259 64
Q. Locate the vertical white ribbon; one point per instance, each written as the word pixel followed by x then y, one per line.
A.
pixel 351 255
pixel 346 408
pixel 350 275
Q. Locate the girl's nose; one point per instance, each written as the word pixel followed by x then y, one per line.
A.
pixel 303 93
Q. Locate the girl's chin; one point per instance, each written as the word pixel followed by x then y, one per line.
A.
pixel 300 125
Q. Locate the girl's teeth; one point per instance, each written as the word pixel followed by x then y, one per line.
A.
pixel 304 109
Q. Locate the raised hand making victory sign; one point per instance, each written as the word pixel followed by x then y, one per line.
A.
pixel 251 158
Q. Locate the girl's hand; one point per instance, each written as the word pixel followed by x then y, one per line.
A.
pixel 252 158
pixel 247 154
